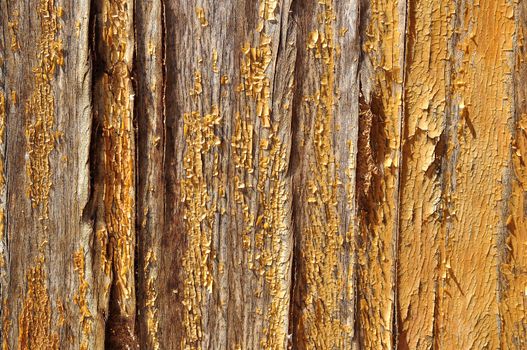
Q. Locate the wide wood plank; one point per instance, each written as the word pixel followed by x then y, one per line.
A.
pixel 46 282
pixel 324 159
pixel 479 141
pixel 227 246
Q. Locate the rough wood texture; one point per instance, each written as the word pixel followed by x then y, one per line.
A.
pixel 47 274
pixel 149 109
pixel 425 103
pixel 513 292
pixel 479 139
pixel 270 174
pixel 326 111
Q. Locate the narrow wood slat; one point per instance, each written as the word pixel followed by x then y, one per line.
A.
pixel 149 111
pixel 382 78
pixel 426 97
pixel 113 165
pixel 513 292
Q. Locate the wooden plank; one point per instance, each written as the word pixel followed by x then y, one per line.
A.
pixel 382 75
pixel 228 238
pixel 47 281
pixel 513 260
pixel 113 162
pixel 426 95
pixel 149 111
pixel 4 260
pixel 478 156
pixel 324 157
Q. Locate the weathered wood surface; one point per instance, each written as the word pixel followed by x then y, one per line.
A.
pixel 268 174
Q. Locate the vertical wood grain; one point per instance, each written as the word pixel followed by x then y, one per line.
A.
pixel 426 92
pixel 271 174
pixel 478 156
pixel 323 168
pixel 149 111
pixel 47 283
pixel 229 88
pixel 382 84
pixel 114 167
pixel 513 291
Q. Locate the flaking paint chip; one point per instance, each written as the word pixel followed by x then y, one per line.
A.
pixel 200 13
pixel 312 39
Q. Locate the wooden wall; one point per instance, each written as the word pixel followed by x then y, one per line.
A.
pixel 263 174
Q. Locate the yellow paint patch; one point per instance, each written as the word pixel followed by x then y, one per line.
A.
pixel 200 141
pixel 421 187
pixel 6 325
pixel 378 217
pixel 3 116
pixel 34 324
pixel 118 141
pixel 479 153
pixel 80 299
pixel 13 30
pixel 215 68
pixel 40 108
pixel 14 99
pixel 255 82
pixel 200 13
pixel 152 321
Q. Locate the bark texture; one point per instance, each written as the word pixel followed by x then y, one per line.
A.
pixel 268 174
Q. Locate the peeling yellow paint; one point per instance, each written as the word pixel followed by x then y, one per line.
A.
pixel 513 307
pixel 152 320
pixel 34 324
pixel 479 151
pixel 267 8
pixel 265 225
pixel 80 299
pixel 105 262
pixel 377 226
pixel 198 87
pixel 256 83
pixel 2 142
pixel 3 116
pixel 14 100
pixel 61 314
pixel 77 28
pixel 421 187
pixel 200 13
pixel 6 324
pixel 215 68
pixel 40 108
pixel 320 324
pixel 13 30
pixel 312 39
pixel 118 141
pixel 200 141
